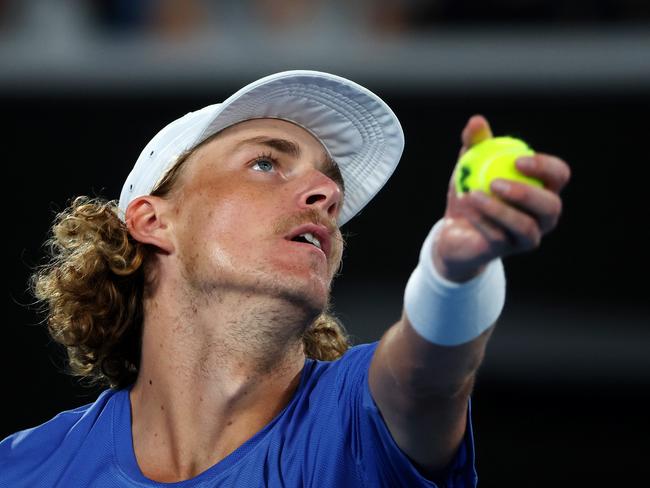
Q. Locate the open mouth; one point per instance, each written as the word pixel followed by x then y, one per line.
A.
pixel 308 238
pixel 312 234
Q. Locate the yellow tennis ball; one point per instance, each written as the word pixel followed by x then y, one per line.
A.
pixel 490 159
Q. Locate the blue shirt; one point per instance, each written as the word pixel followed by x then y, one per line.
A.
pixel 331 434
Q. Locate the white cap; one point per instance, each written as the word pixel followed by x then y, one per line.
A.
pixel 356 127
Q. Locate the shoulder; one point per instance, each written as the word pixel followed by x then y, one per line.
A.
pixel 347 408
pixel 331 385
pixel 317 423
pixel 352 360
pixel 65 431
pixel 347 371
pixel 334 394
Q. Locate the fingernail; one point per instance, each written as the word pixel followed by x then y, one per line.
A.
pixel 526 163
pixel 500 186
pixel 482 134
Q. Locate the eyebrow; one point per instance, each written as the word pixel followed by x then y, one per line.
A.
pixel 285 146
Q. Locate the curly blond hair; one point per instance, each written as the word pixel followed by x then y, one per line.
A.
pixel 92 289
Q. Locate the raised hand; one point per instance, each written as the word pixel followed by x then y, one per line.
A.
pixel 478 227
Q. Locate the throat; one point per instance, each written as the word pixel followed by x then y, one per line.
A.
pixel 177 437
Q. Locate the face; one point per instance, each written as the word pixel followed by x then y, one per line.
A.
pixel 247 206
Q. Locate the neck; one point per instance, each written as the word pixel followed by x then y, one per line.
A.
pixel 213 373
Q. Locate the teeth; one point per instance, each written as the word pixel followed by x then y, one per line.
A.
pixel 312 239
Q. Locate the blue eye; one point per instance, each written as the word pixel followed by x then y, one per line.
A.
pixel 265 165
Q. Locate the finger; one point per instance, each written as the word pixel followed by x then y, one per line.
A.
pixel 476 130
pixel 498 239
pixel 521 227
pixel 494 234
pixel 552 171
pixel 544 205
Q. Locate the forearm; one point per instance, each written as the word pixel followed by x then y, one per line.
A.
pixel 422 390
pixel 420 369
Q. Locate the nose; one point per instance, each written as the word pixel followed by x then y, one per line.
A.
pixel 322 193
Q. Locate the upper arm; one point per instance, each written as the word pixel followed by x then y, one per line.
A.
pixel 422 391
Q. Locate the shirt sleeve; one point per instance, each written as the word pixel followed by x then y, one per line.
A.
pixel 379 460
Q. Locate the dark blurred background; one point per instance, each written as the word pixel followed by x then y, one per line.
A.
pixel 562 398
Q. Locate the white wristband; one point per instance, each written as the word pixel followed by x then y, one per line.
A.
pixel 449 313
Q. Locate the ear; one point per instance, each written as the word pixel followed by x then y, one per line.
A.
pixel 147 222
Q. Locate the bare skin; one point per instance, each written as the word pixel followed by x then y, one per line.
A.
pixel 230 297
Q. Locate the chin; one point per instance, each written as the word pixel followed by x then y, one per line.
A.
pixel 312 296
pixel 309 294
pixel 311 282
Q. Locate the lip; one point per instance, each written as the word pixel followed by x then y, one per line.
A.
pixel 319 231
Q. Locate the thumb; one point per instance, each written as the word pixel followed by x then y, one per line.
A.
pixel 476 130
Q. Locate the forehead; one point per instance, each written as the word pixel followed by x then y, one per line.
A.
pixel 272 128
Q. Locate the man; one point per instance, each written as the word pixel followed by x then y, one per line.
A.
pixel 202 299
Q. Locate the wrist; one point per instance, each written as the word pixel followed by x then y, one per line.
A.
pixel 450 313
pixel 457 273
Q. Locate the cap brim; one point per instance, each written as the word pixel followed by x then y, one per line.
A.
pixel 358 130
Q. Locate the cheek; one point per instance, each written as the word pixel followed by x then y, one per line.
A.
pixel 337 255
pixel 228 220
